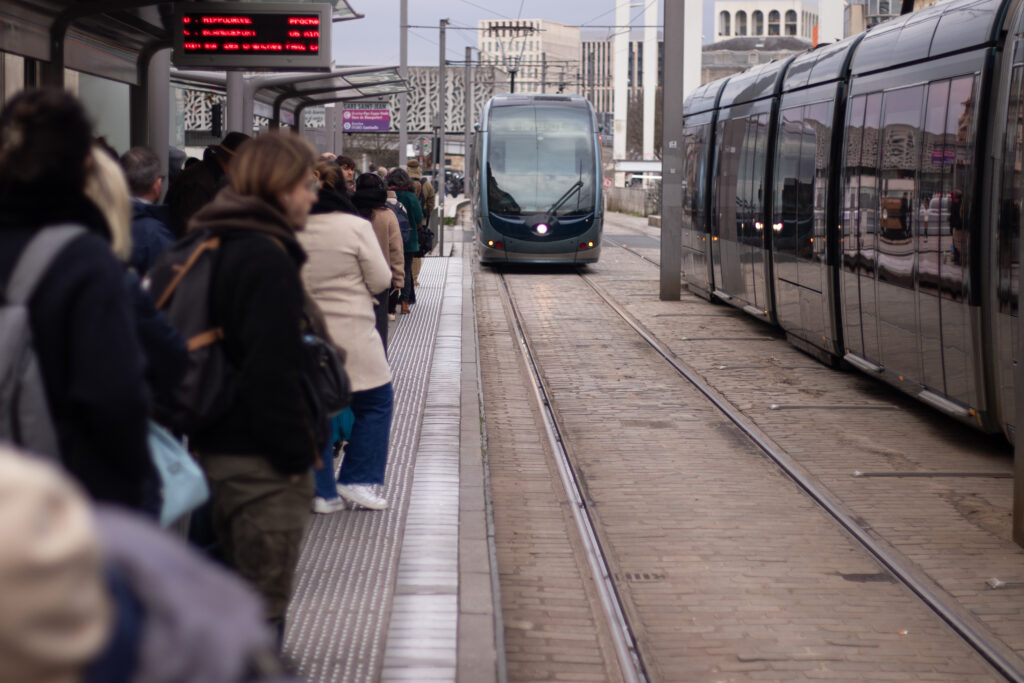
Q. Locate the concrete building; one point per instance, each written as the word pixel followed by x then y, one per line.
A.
pixel 741 18
pixel 860 15
pixel 544 55
pixel 597 67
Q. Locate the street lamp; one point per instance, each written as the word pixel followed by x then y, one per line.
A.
pixel 512 62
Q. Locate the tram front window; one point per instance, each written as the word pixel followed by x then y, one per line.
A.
pixel 540 160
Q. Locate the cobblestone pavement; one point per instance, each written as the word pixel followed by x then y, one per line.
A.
pixel 955 529
pixel 727 570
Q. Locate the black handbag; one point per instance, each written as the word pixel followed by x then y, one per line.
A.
pixel 325 372
pixel 426 237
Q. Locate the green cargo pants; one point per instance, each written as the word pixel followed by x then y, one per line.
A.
pixel 259 517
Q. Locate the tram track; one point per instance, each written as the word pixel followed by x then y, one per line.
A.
pixel 629 652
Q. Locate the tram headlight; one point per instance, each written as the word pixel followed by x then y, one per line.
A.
pixel 542 228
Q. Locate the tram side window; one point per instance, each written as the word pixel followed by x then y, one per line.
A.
pixel 818 118
pixel 758 130
pixel 694 144
pixel 901 145
pixel 787 182
pixel 851 181
pixel 1011 196
pixel 728 176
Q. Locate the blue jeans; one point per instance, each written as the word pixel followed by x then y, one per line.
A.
pixel 339 428
pixel 366 455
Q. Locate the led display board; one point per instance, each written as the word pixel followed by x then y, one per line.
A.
pixel 258 36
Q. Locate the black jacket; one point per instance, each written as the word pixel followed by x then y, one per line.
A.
pixel 83 330
pixel 257 298
pixel 150 234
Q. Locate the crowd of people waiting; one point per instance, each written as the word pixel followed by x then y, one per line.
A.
pixel 302 243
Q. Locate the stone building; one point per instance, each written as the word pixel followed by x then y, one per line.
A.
pixel 727 57
pixel 544 54
pixel 756 18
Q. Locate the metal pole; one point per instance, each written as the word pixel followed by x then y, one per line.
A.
pixel 620 81
pixel 235 92
pixel 672 154
pixel 512 80
pixel 442 109
pixel 158 91
pixel 543 72
pixel 467 118
pixel 403 70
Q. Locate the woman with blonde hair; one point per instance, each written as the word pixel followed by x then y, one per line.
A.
pixel 258 456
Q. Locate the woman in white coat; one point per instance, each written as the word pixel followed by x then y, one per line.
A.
pixel 344 270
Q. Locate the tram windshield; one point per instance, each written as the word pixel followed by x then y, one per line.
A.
pixel 540 160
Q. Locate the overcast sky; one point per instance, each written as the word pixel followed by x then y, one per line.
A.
pixel 374 39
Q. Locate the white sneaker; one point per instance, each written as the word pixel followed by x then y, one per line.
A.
pixel 325 506
pixel 362 495
pixel 391 316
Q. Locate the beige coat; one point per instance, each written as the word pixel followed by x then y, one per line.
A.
pixel 345 268
pixel 385 226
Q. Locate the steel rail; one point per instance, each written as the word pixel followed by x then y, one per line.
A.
pixel 630 661
pixel 960 626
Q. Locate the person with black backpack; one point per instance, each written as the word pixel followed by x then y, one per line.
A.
pixel 401 183
pixel 258 450
pixel 92 398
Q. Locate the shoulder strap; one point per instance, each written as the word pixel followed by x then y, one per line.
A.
pixel 36 258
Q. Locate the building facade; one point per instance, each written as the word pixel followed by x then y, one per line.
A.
pixel 597 61
pixel 860 15
pixel 756 18
pixel 544 55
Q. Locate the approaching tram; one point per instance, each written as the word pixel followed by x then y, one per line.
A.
pixel 536 165
pixel 865 196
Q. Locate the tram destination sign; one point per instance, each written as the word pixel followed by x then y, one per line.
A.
pixel 259 36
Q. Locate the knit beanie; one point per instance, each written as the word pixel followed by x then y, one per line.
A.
pixel 55 612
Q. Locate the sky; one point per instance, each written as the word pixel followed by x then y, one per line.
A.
pixel 375 38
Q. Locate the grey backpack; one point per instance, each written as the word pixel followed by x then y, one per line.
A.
pixel 24 411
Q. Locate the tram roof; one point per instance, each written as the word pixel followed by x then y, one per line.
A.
pixel 704 98
pixel 821 64
pixel 755 83
pixel 531 98
pixel 934 31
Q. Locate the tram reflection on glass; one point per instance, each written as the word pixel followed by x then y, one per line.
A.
pixel 536 162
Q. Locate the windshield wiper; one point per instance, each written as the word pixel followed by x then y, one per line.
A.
pixel 576 187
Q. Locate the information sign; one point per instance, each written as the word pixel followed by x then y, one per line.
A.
pixel 365 120
pixel 248 35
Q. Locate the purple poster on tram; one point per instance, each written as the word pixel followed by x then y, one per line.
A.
pixel 366 120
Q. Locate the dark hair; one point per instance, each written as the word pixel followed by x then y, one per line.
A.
pixel 370 181
pixel 45 138
pixel 399 177
pixel 346 161
pixel 141 167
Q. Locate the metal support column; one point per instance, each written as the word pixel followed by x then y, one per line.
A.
pixel 158 93
pixel 467 118
pixel 620 83
pixel 543 72
pixel 235 95
pixel 403 71
pixel 442 107
pixel 672 154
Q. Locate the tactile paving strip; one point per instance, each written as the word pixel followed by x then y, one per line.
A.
pixel 339 613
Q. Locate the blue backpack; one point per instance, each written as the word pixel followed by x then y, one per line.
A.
pixel 404 226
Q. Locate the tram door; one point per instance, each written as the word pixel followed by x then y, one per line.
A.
pixel 860 225
pixel 738 246
pixel 798 224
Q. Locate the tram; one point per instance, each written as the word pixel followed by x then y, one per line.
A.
pixel 865 196
pixel 536 162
